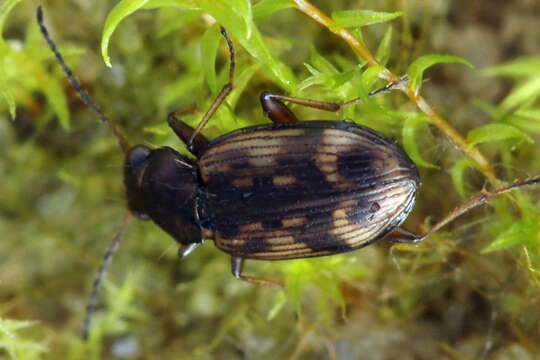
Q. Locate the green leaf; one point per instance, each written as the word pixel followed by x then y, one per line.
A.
pixel 495 132
pixel 321 63
pixel 183 4
pixel 266 8
pixel 122 10
pixel 280 299
pixel 457 172
pixel 209 49
pixel 523 93
pixel 527 119
pixel 225 14
pixel 368 77
pixel 357 18
pixel 522 232
pixel 240 83
pixel 520 67
pixel 30 73
pixel 383 51
pixel 417 68
pixel 409 140
pixel 5 8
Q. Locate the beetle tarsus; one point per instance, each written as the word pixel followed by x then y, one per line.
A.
pixel 402 236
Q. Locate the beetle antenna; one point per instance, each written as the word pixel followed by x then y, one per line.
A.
pixel 102 272
pixel 75 84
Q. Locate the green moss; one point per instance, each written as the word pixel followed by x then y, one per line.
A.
pixel 476 282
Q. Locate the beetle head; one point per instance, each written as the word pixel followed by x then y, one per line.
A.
pixel 162 186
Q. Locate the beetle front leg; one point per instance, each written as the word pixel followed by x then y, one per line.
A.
pixel 196 143
pixel 237 265
pixel 278 112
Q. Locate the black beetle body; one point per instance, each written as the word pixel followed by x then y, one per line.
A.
pixel 278 191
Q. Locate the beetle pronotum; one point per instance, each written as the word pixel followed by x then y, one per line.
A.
pixel 286 190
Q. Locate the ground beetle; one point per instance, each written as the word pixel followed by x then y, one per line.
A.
pixel 286 190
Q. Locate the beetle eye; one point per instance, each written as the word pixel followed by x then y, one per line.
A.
pixel 137 156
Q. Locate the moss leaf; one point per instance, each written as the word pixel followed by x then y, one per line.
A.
pixel 410 142
pixel 495 132
pixel 524 66
pixel 209 49
pixel 522 232
pixel 457 172
pixel 122 10
pixel 266 8
pixel 383 51
pixel 241 25
pixel 523 93
pixel 5 9
pixel 357 18
pixel 417 68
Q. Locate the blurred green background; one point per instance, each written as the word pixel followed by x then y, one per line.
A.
pixel 469 292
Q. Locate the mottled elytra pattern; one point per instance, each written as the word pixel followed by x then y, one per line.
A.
pixel 284 191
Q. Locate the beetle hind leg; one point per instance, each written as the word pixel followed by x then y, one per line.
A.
pixel 405 237
pixel 237 265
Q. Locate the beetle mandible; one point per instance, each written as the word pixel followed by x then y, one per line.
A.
pixel 286 190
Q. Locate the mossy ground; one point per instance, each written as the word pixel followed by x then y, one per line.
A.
pixel 62 194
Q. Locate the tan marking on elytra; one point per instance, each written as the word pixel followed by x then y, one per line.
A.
pixel 257 226
pixel 223 243
pixel 297 221
pixel 243 182
pixel 326 163
pixel 341 138
pixel 350 233
pixel 282 180
pixel 332 177
pixel 280 240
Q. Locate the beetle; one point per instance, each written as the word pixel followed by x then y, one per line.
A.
pixel 285 190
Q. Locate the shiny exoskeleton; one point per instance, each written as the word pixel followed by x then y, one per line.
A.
pixel 276 191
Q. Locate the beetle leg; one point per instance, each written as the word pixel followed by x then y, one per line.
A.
pixel 237 265
pixel 278 112
pixel 225 91
pixel 196 143
pixel 405 237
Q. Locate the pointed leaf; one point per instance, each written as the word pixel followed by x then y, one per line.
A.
pixel 410 143
pixel 495 132
pixel 122 10
pixel 457 173
pixel 523 93
pixel 251 40
pixel 383 51
pixel 357 18
pixel 520 67
pixel 417 68
pixel 523 232
pixel 209 49
pixel 266 8
pixel 5 8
